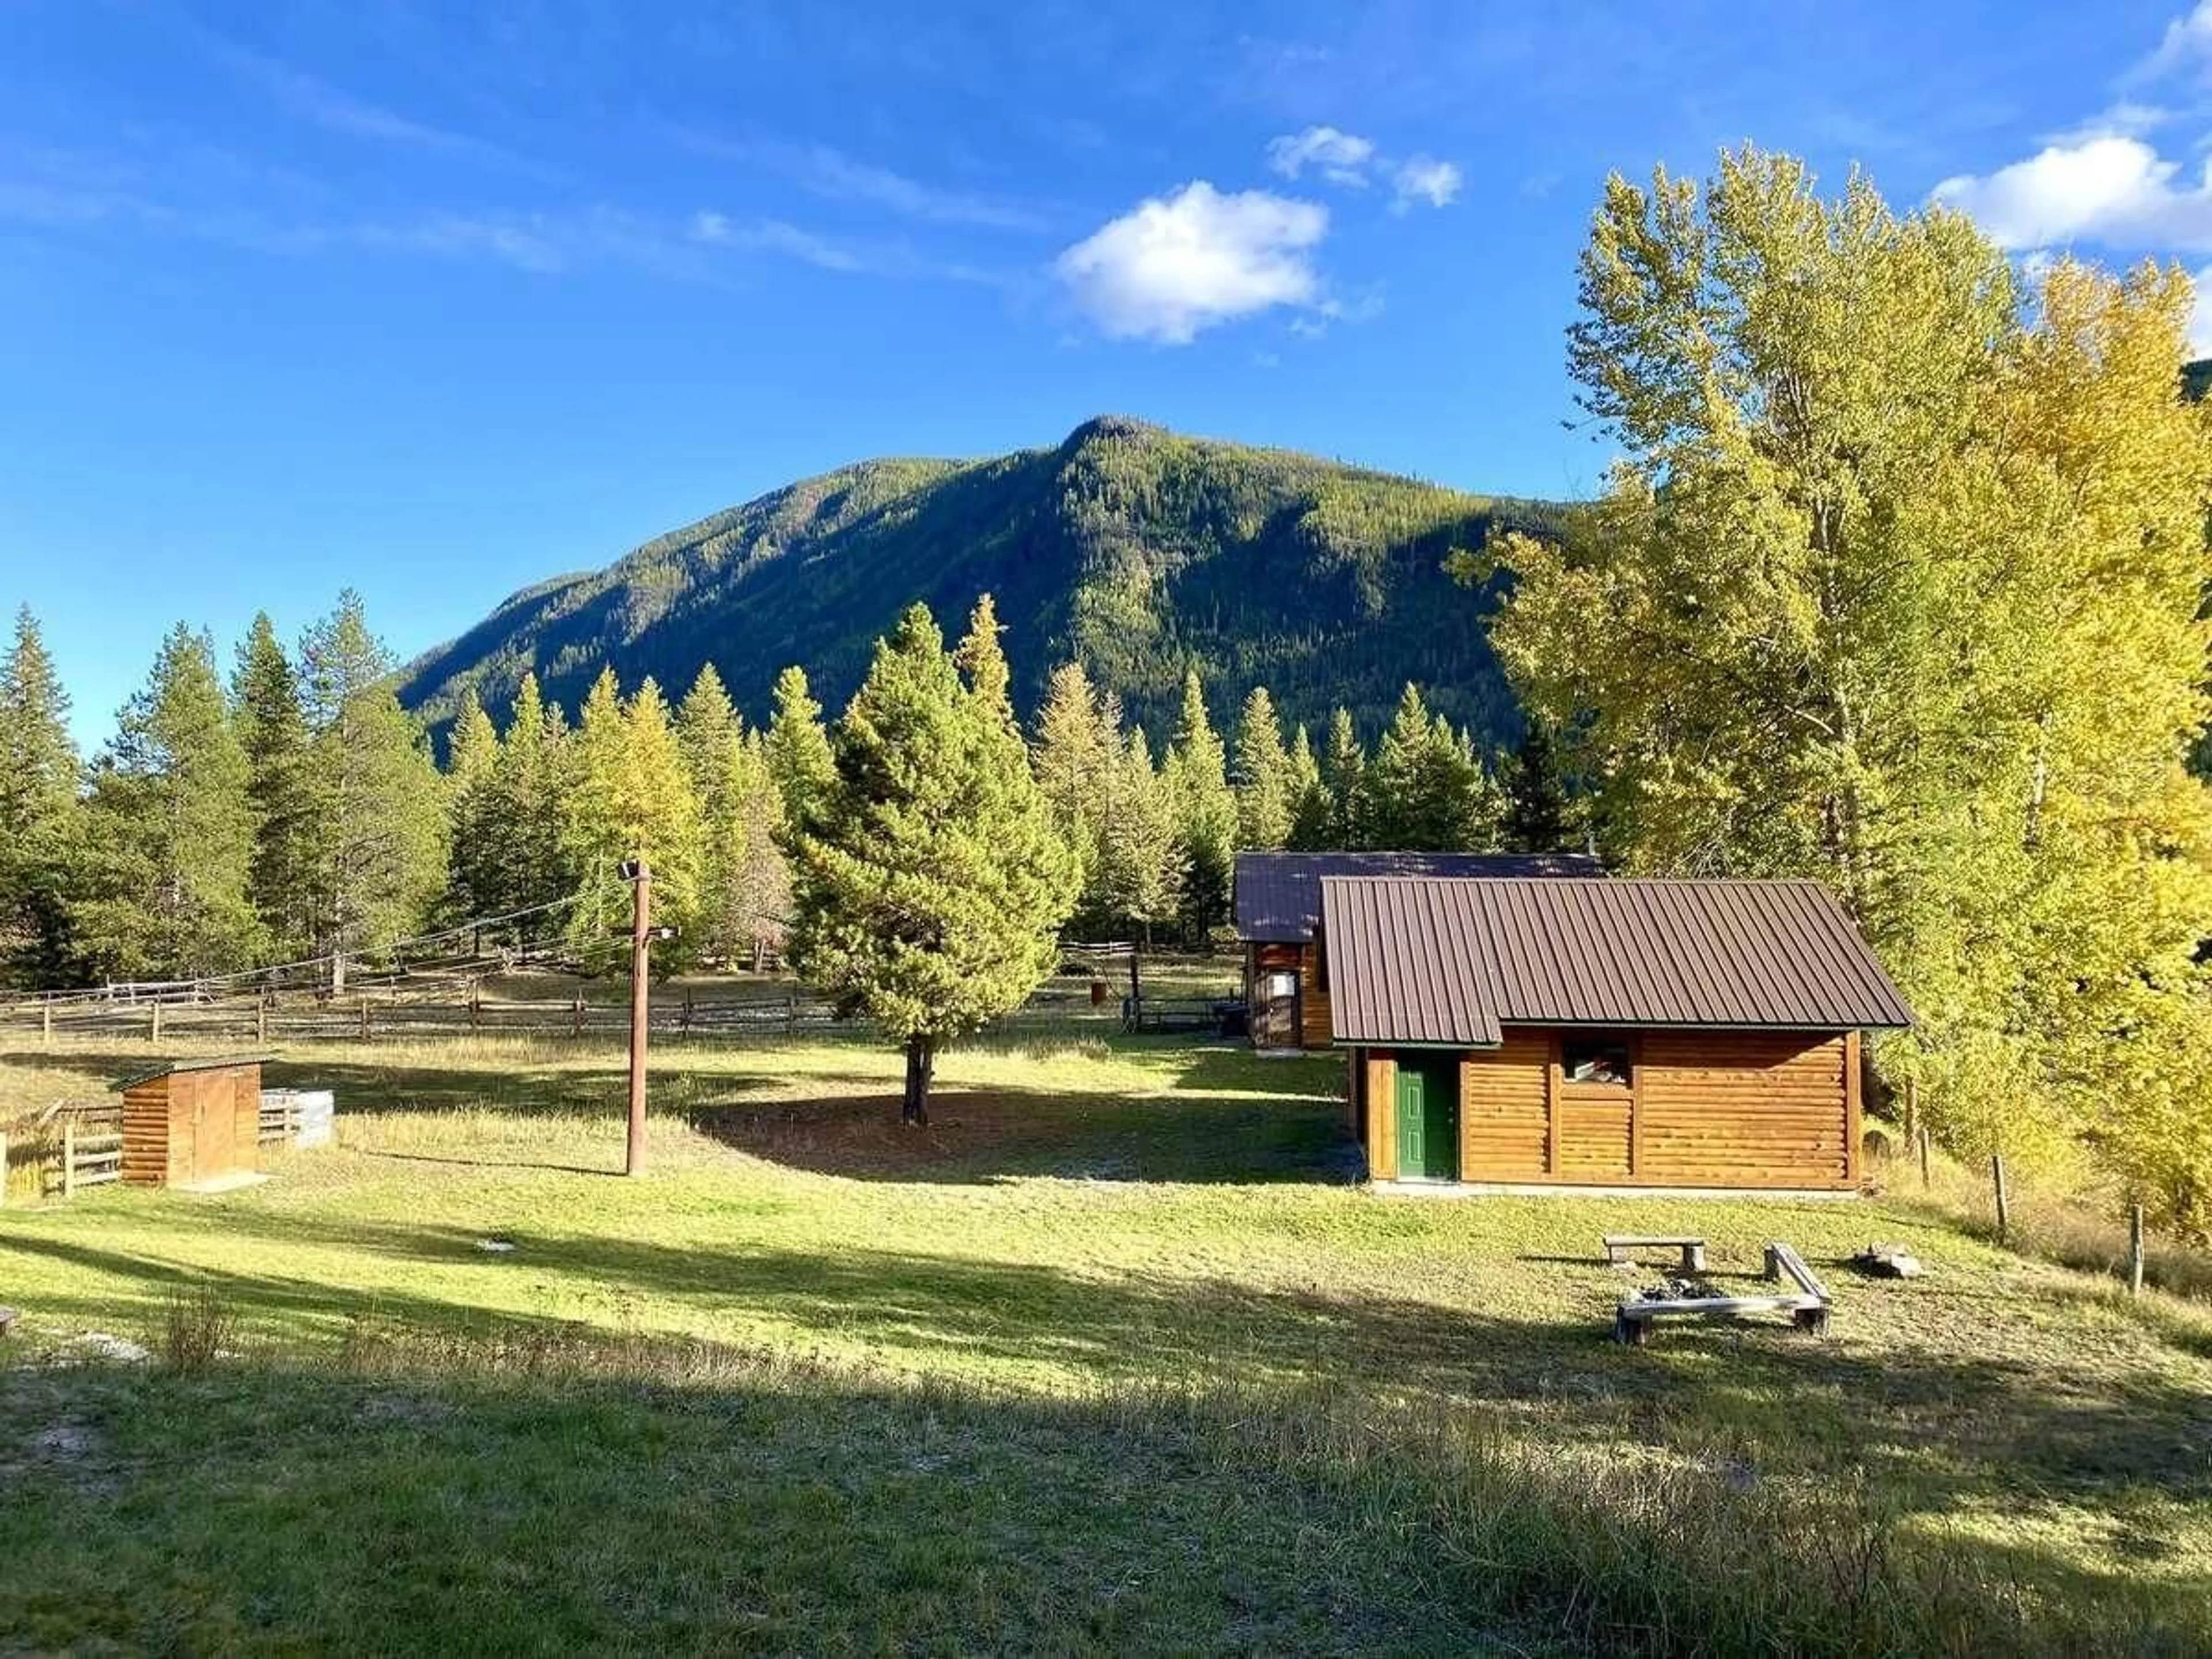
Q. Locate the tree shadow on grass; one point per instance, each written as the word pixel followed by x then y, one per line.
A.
pixel 979 1134
pixel 704 1504
pixel 1936 1428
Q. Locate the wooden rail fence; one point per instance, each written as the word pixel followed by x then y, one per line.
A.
pixel 447 1010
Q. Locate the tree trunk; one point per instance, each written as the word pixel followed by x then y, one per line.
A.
pixel 921 1064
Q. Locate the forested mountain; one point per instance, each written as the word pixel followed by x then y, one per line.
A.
pixel 1141 552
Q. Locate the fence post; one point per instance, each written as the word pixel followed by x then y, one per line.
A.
pixel 155 1035
pixel 790 1013
pixel 476 1005
pixel 2135 1250
pixel 1924 1156
pixel 683 1023
pixel 69 1157
pixel 46 1023
pixel 577 1017
pixel 2004 1208
pixel 261 1021
pixel 364 1019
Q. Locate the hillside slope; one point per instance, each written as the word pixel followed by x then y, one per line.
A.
pixel 1139 550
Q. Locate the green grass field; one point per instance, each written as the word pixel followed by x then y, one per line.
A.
pixel 1113 1357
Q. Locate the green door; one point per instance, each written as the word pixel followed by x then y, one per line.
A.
pixel 1428 1119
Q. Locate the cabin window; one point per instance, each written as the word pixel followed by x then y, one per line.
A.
pixel 1594 1057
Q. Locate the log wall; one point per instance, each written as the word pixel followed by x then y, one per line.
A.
pixel 1703 1109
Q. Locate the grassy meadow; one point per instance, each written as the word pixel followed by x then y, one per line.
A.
pixel 1115 1356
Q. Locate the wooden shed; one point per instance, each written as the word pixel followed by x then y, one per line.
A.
pixel 190 1122
pixel 1669 1034
pixel 1279 923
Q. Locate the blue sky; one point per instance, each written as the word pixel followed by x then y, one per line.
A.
pixel 438 300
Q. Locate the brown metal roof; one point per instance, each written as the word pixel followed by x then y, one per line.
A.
pixel 1424 959
pixel 1278 894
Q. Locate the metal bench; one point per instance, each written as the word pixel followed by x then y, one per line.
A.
pixel 1806 1302
pixel 1621 1250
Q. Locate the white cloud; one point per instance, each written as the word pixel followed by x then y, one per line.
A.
pixel 1424 179
pixel 1341 157
pixel 1175 265
pixel 835 176
pixel 775 236
pixel 2113 189
pixel 2185 47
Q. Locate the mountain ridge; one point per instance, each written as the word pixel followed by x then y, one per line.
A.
pixel 1137 550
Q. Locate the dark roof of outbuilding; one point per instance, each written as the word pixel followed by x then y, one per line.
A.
pixel 1278 894
pixel 1425 960
pixel 152 1069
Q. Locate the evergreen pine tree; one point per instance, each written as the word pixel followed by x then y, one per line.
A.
pixel 1428 790
pixel 798 747
pixel 476 883
pixel 1143 863
pixel 1265 791
pixel 1196 775
pixel 273 732
pixel 39 777
pixel 1073 756
pixel 1344 771
pixel 929 880
pixel 742 883
pixel 169 830
pixel 1536 819
pixel 377 839
pixel 524 836
pixel 1311 805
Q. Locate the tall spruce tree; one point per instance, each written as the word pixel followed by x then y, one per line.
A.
pixel 377 839
pixel 1539 817
pixel 476 874
pixel 929 879
pixel 744 887
pixel 1428 790
pixel 1312 804
pixel 1143 862
pixel 169 830
pixel 1197 779
pixel 1073 757
pixel 1344 771
pixel 529 788
pixel 38 779
pixel 1261 776
pixel 273 731
pixel 798 747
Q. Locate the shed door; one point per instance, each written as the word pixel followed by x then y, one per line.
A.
pixel 1275 1009
pixel 215 1121
pixel 1428 1119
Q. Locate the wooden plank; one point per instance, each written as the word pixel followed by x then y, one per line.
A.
pixel 1382 1117
pixel 1551 1160
pixel 1854 1082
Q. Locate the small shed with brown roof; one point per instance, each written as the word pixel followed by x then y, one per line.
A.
pixel 1618 1033
pixel 192 1122
pixel 1279 922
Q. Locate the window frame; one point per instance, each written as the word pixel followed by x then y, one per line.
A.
pixel 1597 1042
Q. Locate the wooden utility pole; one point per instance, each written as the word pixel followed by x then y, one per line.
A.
pixel 641 1007
pixel 2004 1207
pixel 2135 1250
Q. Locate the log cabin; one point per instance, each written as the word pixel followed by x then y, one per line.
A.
pixel 1277 910
pixel 1684 1034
